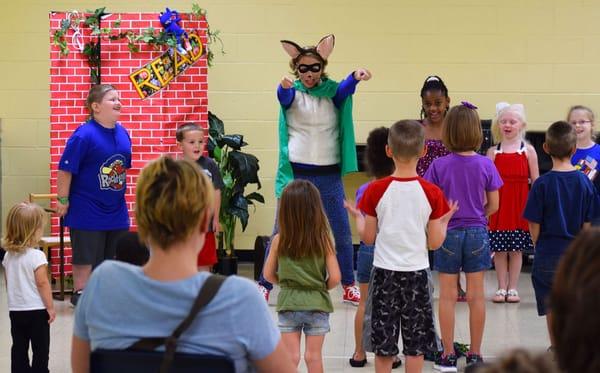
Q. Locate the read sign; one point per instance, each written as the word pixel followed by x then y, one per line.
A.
pixel 157 74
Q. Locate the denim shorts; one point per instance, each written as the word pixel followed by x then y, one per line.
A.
pixel 311 322
pixel 466 249
pixel 542 275
pixel 364 262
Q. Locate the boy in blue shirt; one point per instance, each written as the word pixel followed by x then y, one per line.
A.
pixel 560 203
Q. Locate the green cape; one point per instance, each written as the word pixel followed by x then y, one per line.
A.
pixel 327 88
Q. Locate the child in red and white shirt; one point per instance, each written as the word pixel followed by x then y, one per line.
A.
pixel 404 216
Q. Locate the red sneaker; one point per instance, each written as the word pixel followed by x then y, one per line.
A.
pixel 351 294
pixel 264 291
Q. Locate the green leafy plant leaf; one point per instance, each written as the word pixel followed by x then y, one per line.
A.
pixel 216 128
pixel 255 197
pixel 238 169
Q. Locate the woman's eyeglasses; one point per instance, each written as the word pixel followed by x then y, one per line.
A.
pixel 580 122
pixel 315 68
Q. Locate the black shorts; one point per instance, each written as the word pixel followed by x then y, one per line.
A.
pixel 401 299
pixel 93 247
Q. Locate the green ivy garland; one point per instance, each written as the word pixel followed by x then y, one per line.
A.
pixel 148 35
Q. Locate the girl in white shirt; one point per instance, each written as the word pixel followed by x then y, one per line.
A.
pixel 30 305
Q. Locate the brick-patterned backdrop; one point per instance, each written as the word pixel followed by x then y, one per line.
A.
pixel 151 122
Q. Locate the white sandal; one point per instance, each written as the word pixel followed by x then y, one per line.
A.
pixel 500 296
pixel 512 296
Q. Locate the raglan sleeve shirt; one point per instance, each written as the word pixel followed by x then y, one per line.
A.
pixel 370 199
pixel 436 198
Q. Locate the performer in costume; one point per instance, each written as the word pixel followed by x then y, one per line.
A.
pixel 316 142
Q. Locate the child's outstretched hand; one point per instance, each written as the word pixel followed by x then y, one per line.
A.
pixel 287 82
pixel 362 74
pixel 352 209
pixel 447 216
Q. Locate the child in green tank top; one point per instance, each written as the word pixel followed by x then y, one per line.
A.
pixel 302 261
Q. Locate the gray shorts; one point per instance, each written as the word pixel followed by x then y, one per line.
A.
pixel 93 247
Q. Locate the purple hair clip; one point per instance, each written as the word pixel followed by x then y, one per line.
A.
pixel 469 105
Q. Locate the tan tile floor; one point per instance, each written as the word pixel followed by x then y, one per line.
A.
pixel 507 326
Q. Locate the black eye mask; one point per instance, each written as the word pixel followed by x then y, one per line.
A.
pixel 315 68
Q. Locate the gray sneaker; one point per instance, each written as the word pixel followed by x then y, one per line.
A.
pixel 474 359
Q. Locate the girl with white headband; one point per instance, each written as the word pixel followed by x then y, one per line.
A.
pixel 516 161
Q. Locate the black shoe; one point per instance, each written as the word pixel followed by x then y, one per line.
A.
pixel 474 362
pixel 357 363
pixel 397 362
pixel 473 359
pixel 432 355
pixel 75 297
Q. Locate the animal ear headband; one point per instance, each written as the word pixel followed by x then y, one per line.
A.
pixel 323 48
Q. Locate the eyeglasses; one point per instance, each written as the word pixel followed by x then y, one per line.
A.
pixel 315 68
pixel 580 122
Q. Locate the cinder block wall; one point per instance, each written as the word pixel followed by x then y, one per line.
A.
pixel 543 54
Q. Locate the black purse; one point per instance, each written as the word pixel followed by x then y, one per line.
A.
pixel 143 357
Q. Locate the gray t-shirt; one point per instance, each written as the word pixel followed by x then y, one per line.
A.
pixel 121 304
pixel 211 169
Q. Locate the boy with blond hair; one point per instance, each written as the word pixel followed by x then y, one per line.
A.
pixel 190 139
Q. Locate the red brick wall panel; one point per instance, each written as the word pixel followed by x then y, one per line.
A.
pixel 151 122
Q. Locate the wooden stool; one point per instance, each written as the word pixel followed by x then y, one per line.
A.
pixel 49 242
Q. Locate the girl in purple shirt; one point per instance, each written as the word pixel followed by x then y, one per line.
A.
pixel 473 181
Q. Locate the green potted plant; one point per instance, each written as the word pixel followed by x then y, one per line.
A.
pixel 238 169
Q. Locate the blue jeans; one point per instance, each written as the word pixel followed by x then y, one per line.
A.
pixel 466 249
pixel 364 262
pixel 332 196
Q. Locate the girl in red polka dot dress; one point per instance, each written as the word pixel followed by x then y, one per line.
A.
pixel 516 161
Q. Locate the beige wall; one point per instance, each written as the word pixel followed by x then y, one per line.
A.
pixel 545 54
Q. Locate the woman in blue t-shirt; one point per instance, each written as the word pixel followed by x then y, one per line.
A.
pixel 91 184
pixel 123 302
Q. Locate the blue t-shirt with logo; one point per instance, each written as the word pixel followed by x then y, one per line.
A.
pixel 588 161
pixel 97 157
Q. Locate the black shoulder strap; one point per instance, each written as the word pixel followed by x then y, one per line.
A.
pixel 205 295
